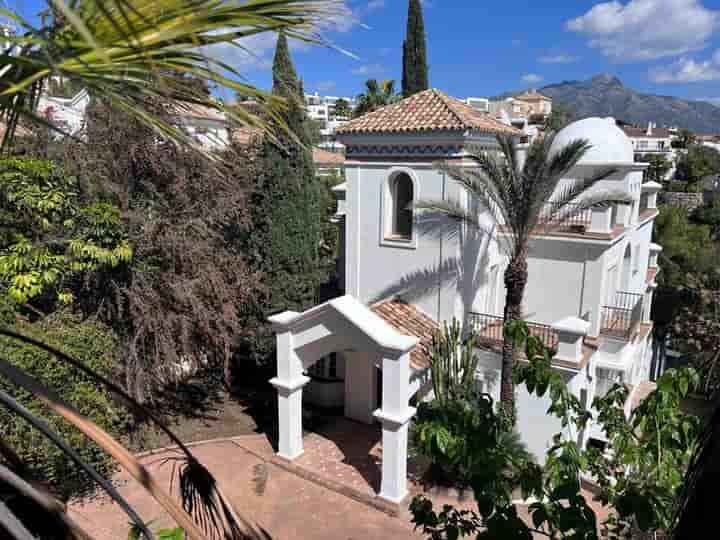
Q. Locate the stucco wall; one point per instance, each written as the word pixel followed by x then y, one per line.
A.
pixel 424 272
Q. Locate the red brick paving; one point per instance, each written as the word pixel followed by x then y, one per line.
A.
pixel 284 504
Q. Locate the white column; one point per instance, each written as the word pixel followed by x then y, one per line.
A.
pixel 395 416
pixel 651 189
pixel 601 220
pixel 289 384
pixel 571 334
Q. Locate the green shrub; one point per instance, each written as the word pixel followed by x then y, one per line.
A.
pixel 85 340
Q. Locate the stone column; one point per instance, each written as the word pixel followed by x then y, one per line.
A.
pixel 289 384
pixel 395 416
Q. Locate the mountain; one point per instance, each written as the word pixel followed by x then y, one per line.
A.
pixel 605 95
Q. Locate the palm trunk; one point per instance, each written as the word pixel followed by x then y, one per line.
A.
pixel 516 277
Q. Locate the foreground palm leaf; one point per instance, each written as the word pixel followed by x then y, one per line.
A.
pixel 515 194
pixel 127 51
pixel 202 497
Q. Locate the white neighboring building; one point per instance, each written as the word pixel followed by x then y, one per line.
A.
pixel 322 109
pixel 66 113
pixel 590 285
pixel 651 139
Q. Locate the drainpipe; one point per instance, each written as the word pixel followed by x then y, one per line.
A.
pixel 442 236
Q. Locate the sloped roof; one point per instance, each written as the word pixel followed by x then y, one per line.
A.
pixel 323 157
pixel 641 133
pixel 195 110
pixel 532 95
pixel 431 110
pixel 409 320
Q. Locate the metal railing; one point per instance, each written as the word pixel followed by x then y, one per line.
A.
pixel 622 319
pixel 571 215
pixel 489 330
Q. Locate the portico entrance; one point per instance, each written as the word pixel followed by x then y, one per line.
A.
pixel 367 342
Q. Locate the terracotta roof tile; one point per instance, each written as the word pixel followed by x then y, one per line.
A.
pixel 431 110
pixel 641 133
pixel 410 321
pixel 324 157
pixel 640 393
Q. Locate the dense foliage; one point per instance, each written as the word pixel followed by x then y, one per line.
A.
pixel 49 239
pixel 283 241
pixel 697 163
pixel 95 345
pixel 415 64
pixel 639 479
pixel 377 94
pixel 658 167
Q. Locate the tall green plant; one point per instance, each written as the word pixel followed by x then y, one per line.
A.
pixel 415 66
pixel 638 479
pixel 377 94
pixel 453 362
pixel 515 193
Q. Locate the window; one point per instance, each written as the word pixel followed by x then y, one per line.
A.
pixel 402 193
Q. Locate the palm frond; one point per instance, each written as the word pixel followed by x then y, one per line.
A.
pixel 123 51
pixel 40 425
pixel 12 525
pixel 196 481
pixel 44 500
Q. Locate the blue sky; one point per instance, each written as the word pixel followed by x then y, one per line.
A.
pixel 482 48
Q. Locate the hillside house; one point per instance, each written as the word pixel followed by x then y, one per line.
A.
pixel 589 294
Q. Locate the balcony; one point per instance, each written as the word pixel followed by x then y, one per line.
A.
pixel 570 216
pixel 489 331
pixel 622 319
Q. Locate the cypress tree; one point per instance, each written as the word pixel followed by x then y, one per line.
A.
pixel 415 68
pixel 284 237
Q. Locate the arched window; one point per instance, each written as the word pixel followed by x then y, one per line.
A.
pixel 402 192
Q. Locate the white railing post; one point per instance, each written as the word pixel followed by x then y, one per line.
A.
pixel 571 334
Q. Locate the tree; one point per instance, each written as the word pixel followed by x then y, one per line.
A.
pixel 558 119
pixel 697 163
pixel 377 95
pixel 657 169
pixel 48 239
pixel 342 109
pixel 517 196
pixel 86 43
pixel 638 479
pixel 285 232
pixel 415 66
pixel 686 138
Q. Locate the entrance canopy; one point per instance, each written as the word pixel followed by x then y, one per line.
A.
pixel 346 325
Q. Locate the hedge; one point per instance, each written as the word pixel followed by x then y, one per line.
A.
pixel 95 345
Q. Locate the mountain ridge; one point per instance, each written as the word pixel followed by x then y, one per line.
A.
pixel 605 95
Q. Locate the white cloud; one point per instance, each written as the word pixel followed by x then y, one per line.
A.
pixel 369 69
pixel 687 70
pixel 531 78
pixel 647 29
pixel 558 59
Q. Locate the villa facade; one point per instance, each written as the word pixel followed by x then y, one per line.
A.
pixel 589 295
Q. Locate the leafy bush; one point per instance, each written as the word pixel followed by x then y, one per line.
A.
pixel 46 236
pixel 95 345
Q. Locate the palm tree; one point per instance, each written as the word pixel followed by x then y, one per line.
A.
pixel 516 193
pixel 128 52
pixel 377 94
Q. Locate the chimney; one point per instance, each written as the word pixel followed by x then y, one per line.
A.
pixel 650 129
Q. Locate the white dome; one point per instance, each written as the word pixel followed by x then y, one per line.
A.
pixel 609 143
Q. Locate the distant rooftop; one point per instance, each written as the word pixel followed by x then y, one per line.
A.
pixel 532 95
pixel 431 110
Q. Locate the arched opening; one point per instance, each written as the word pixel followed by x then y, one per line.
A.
pixel 403 193
pixel 627 269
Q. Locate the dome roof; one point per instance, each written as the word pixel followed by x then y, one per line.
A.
pixel 609 144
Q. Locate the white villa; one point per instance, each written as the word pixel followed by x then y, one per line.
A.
pixel 589 294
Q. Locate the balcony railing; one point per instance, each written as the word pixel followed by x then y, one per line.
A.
pixel 570 215
pixel 622 319
pixel 489 330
